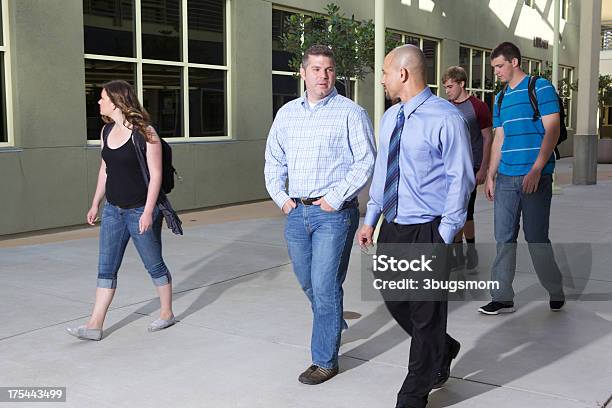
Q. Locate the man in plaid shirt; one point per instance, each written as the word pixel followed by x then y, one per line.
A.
pixel 323 143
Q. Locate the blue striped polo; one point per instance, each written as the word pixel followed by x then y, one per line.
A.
pixel 522 135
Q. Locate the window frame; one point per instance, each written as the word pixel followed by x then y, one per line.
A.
pixel 185 65
pixel 5 50
pixel 438 42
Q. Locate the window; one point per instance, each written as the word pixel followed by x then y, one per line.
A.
pixel 6 138
pixel 286 85
pixel 531 66
pixel 175 54
pixel 567 74
pixel 607 116
pixel 481 79
pixel 431 49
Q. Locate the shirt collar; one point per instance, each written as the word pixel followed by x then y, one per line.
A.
pixel 416 101
pixel 322 102
pixel 526 78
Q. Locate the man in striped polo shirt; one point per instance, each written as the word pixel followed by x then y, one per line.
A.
pixel 519 180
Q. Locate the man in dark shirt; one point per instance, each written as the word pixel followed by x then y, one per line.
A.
pixel 478 117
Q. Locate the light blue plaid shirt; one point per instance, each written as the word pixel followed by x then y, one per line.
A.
pixel 327 150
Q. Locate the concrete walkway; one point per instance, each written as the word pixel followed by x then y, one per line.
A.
pixel 244 328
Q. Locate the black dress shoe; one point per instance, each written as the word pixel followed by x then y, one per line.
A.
pixel 556 305
pixel 557 302
pixel 315 375
pixel 444 372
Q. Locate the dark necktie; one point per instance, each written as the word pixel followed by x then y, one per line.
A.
pixel 392 181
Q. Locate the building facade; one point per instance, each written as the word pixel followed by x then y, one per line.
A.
pixel 212 74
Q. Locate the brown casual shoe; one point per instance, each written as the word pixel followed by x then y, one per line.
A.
pixel 316 375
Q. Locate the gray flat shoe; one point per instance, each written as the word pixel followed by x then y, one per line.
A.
pixel 83 333
pixel 160 324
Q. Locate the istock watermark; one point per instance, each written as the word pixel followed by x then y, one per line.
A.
pixel 433 284
pixel 383 263
pixel 439 272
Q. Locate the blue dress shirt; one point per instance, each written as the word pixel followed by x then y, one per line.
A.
pixel 436 171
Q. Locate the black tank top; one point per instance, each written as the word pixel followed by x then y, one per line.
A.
pixel 125 185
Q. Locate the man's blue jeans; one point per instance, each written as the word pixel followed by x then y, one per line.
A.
pixel 510 204
pixel 319 245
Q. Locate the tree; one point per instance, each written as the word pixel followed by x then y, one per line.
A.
pixel 351 41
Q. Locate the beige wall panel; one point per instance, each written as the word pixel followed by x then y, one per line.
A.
pixel 48 72
pixel 48 189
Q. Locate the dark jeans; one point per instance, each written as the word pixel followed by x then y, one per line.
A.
pixel 510 204
pixel 424 321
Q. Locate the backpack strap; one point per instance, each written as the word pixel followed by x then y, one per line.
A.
pixel 141 154
pixel 106 129
pixel 533 97
pixel 500 98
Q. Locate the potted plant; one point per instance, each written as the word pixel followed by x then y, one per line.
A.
pixel 604 100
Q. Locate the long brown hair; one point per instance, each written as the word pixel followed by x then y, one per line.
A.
pixel 123 96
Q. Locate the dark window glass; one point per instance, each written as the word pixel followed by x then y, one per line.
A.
pixel 341 88
pixel 161 29
pixel 489 74
pixel 1 33
pixel 430 49
pixel 489 97
pixel 525 66
pixel 207 114
pixel 412 40
pixel 109 27
pixel 395 37
pixel 3 132
pixel 434 90
pixel 96 74
pixel 314 24
pixel 567 111
pixel 392 40
pixel 161 87
pixel 206 24
pixel 280 58
pixel 284 89
pixel 464 60
pixel 476 69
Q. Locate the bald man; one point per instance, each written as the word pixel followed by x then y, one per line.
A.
pixel 422 182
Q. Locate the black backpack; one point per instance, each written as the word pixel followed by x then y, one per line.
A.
pixel 168 171
pixel 533 99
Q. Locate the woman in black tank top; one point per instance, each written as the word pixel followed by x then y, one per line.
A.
pixel 130 211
